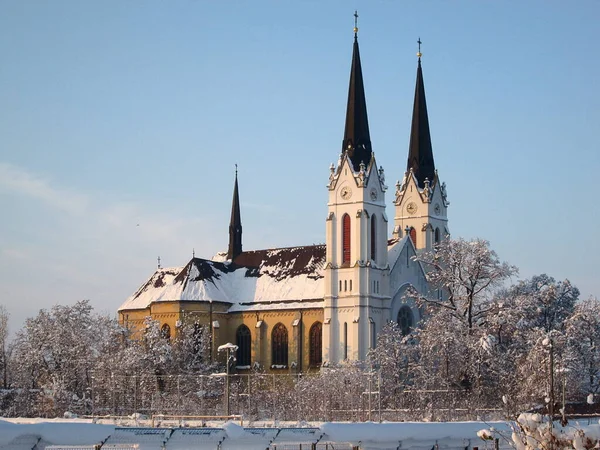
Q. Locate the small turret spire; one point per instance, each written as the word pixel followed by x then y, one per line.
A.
pixel 420 152
pixel 357 141
pixel 235 224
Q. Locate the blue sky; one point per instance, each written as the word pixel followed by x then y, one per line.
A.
pixel 121 122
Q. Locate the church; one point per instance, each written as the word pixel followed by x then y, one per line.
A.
pixel 296 309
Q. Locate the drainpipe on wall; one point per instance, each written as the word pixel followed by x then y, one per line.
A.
pixel 300 341
pixel 212 331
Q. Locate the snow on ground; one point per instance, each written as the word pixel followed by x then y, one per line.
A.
pixel 233 436
pixel 39 433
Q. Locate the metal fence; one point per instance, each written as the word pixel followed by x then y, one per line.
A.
pixel 274 397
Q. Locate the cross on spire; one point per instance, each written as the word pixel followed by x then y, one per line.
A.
pixel 355 23
pixel 419 54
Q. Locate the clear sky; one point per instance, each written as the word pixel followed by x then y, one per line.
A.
pixel 121 122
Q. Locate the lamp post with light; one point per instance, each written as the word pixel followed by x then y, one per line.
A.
pixel 228 348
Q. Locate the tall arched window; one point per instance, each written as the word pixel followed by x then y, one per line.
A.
pixel 345 340
pixel 315 344
pixel 346 239
pixel 243 341
pixel 165 331
pixel 405 320
pixel 373 237
pixel 437 235
pixel 413 236
pixel 279 345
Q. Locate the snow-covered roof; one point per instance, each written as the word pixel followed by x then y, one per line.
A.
pixel 280 278
pixel 260 279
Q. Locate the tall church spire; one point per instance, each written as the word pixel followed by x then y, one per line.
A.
pixel 420 153
pixel 235 224
pixel 357 141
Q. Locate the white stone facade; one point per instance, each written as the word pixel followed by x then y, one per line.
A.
pixel 368 290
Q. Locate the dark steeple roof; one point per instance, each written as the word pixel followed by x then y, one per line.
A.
pixel 357 140
pixel 235 225
pixel 420 153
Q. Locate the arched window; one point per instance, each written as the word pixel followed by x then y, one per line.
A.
pixel 405 320
pixel 413 236
pixel 243 341
pixel 437 235
pixel 373 237
pixel 315 344
pixel 345 340
pixel 346 239
pixel 165 331
pixel 279 345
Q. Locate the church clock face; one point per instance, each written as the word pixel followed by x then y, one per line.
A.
pixel 373 194
pixel 411 208
pixel 346 193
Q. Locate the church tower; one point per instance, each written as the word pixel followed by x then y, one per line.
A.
pixel 356 274
pixel 421 200
pixel 235 223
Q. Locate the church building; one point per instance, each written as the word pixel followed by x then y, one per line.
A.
pixel 295 309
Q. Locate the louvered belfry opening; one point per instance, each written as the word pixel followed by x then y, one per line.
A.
pixel 413 236
pixel 373 237
pixel 346 240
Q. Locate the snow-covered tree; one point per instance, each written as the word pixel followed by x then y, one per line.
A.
pixel 457 343
pixel 4 316
pixel 55 354
pixel 544 302
pixel 469 272
pixel 582 330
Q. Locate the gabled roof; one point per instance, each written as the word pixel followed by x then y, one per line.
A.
pixel 275 275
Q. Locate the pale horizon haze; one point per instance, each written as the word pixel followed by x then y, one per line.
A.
pixel 121 123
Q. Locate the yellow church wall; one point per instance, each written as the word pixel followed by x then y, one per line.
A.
pixel 261 337
pixel 206 314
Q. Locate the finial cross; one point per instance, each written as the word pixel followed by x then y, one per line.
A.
pixel 158 260
pixel 419 54
pixel 355 22
pixel 236 170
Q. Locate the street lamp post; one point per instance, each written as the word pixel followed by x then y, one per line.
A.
pixel 227 348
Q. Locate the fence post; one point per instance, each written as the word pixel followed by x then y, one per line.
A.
pixel 274 397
